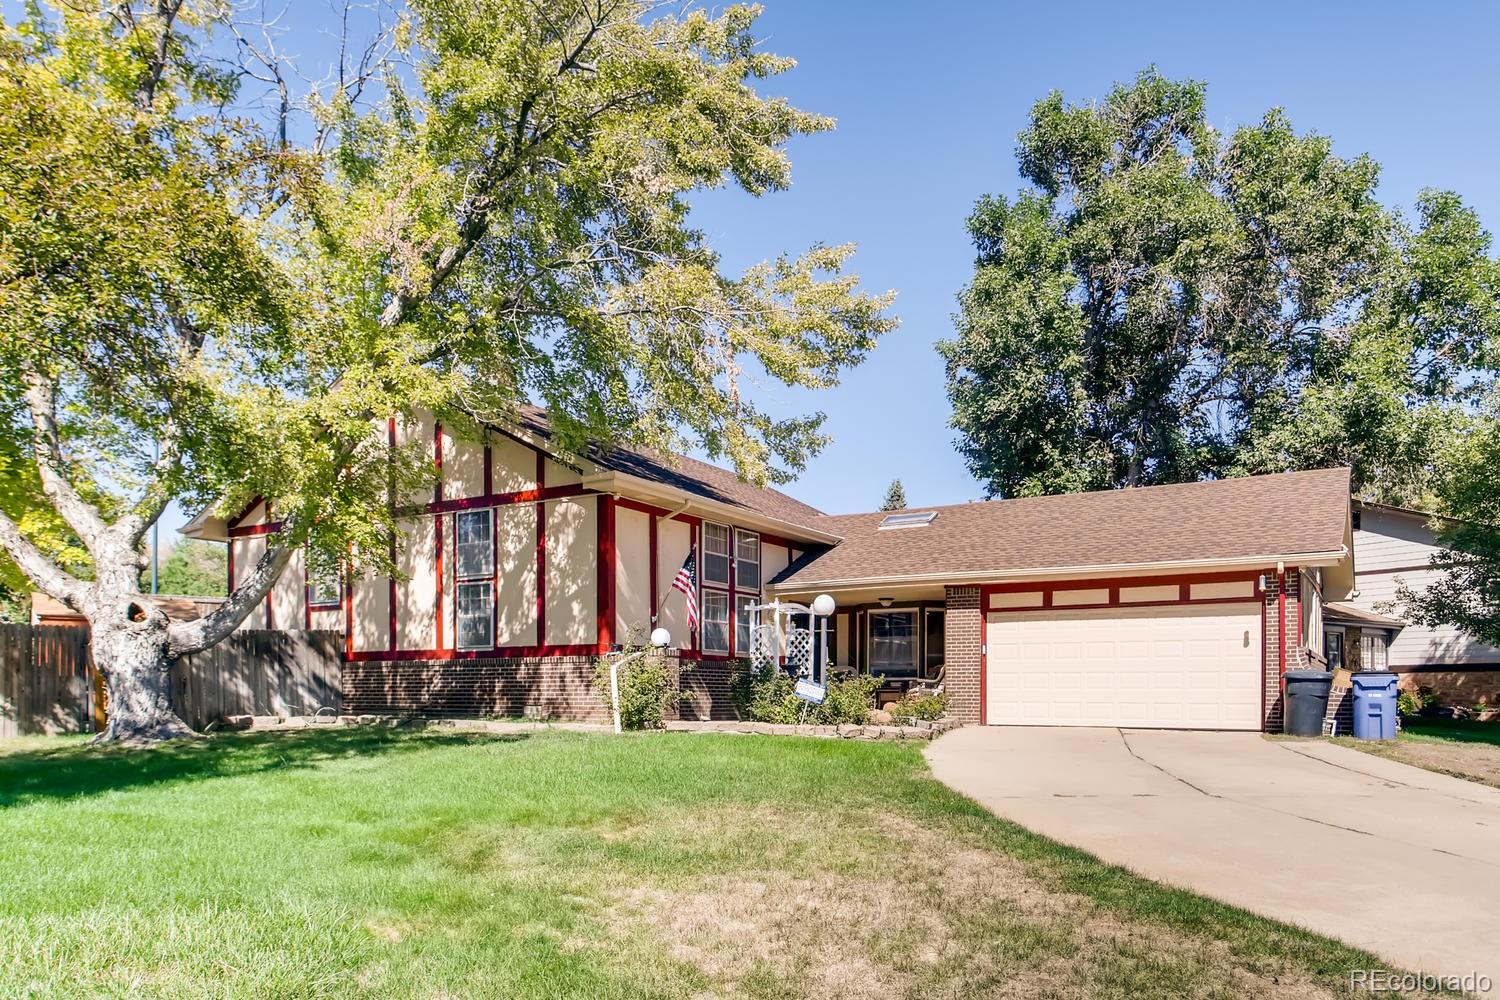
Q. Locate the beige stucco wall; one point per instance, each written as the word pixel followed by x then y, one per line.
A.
pixel 513 465
pixel 673 541
pixel 370 596
pixel 515 598
pixel 561 475
pixel 463 467
pixel 288 606
pixel 773 559
pixel 416 585
pixel 632 576
pixel 247 551
pixel 572 575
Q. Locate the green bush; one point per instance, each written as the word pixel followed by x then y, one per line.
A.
pixel 765 695
pixel 1413 704
pixel 646 691
pixel 921 707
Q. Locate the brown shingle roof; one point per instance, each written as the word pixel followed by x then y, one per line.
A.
pixel 1347 614
pixel 691 476
pixel 1249 518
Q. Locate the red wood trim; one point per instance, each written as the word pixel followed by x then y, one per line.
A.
pixel 231 522
pixel 1185 592
pixel 493 653
pixel 230 546
pixel 1233 576
pixel 733 627
pixel 1117 604
pixel 1262 663
pixel 306 591
pixel 541 550
pixel 391 580
pixel 984 659
pixel 270 615
pixel 652 542
pixel 250 530
pixel 489 472
pixel 507 499
pixel 437 549
pixel 541 471
pixel 605 559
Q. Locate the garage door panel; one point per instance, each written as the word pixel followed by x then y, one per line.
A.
pixel 1172 667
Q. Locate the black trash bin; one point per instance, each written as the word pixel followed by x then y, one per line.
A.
pixel 1306 701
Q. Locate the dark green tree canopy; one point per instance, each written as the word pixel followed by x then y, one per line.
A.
pixel 1166 303
pixel 895 496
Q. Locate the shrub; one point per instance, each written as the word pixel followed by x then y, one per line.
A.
pixel 1412 704
pixel 765 695
pixel 919 707
pixel 646 691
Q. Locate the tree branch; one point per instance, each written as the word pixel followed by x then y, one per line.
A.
pixel 201 633
pixel 83 517
pixel 38 568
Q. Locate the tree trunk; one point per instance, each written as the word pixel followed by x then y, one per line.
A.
pixel 132 655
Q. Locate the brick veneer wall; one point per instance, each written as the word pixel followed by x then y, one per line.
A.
pixel 561 687
pixel 962 639
pixel 705 688
pixel 1272 722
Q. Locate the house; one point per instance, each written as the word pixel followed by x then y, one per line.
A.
pixel 1170 606
pixel 1394 546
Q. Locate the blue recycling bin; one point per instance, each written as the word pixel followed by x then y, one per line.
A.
pixel 1374 705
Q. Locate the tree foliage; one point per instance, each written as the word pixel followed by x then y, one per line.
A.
pixel 488 205
pixel 194 568
pixel 895 496
pixel 1165 303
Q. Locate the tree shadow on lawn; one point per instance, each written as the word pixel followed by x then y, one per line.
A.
pixel 1456 730
pixel 76 769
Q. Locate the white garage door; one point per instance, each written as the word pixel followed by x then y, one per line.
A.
pixel 1172 668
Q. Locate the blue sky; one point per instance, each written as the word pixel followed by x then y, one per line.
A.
pixel 929 98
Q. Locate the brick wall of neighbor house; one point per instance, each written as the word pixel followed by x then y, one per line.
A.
pixel 963 637
pixel 1294 641
pixel 1455 688
pixel 558 687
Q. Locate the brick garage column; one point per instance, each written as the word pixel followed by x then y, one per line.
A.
pixel 963 632
pixel 1272 638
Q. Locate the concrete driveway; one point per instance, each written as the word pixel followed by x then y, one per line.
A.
pixel 1396 860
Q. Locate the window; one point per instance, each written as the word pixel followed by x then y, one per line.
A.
pixel 893 642
pixel 474 573
pixel 1333 649
pixel 715 622
pixel 324 589
pixel 746 560
pixel 715 554
pixel 474 542
pixel 935 619
pixel 1372 651
pixel 476 615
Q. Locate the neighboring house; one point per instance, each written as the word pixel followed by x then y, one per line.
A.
pixel 1395 546
pixel 1172 606
pixel 45 610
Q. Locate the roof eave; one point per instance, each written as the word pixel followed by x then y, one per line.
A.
pixel 1329 558
pixel 206 525
pixel 625 484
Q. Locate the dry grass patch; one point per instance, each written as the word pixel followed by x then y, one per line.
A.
pixel 927 913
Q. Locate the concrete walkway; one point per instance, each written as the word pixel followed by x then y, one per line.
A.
pixel 1399 861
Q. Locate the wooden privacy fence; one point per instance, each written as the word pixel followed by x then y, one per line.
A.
pixel 47 678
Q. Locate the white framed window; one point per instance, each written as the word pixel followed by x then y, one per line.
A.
pixel 746 560
pixel 715 622
pixel 893 641
pixel 474 604
pixel 1373 651
pixel 474 543
pixel 715 553
pixel 743 619
pixel 325 589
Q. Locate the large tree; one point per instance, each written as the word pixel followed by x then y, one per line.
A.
pixel 1166 303
pixel 486 203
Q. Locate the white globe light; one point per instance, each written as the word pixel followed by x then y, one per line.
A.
pixel 660 638
pixel 822 605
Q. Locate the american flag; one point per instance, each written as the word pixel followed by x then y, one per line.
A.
pixel 687 582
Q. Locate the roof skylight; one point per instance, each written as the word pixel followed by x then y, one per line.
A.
pixel 908 519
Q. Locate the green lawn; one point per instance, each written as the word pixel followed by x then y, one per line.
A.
pixel 377 863
pixel 1460 748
